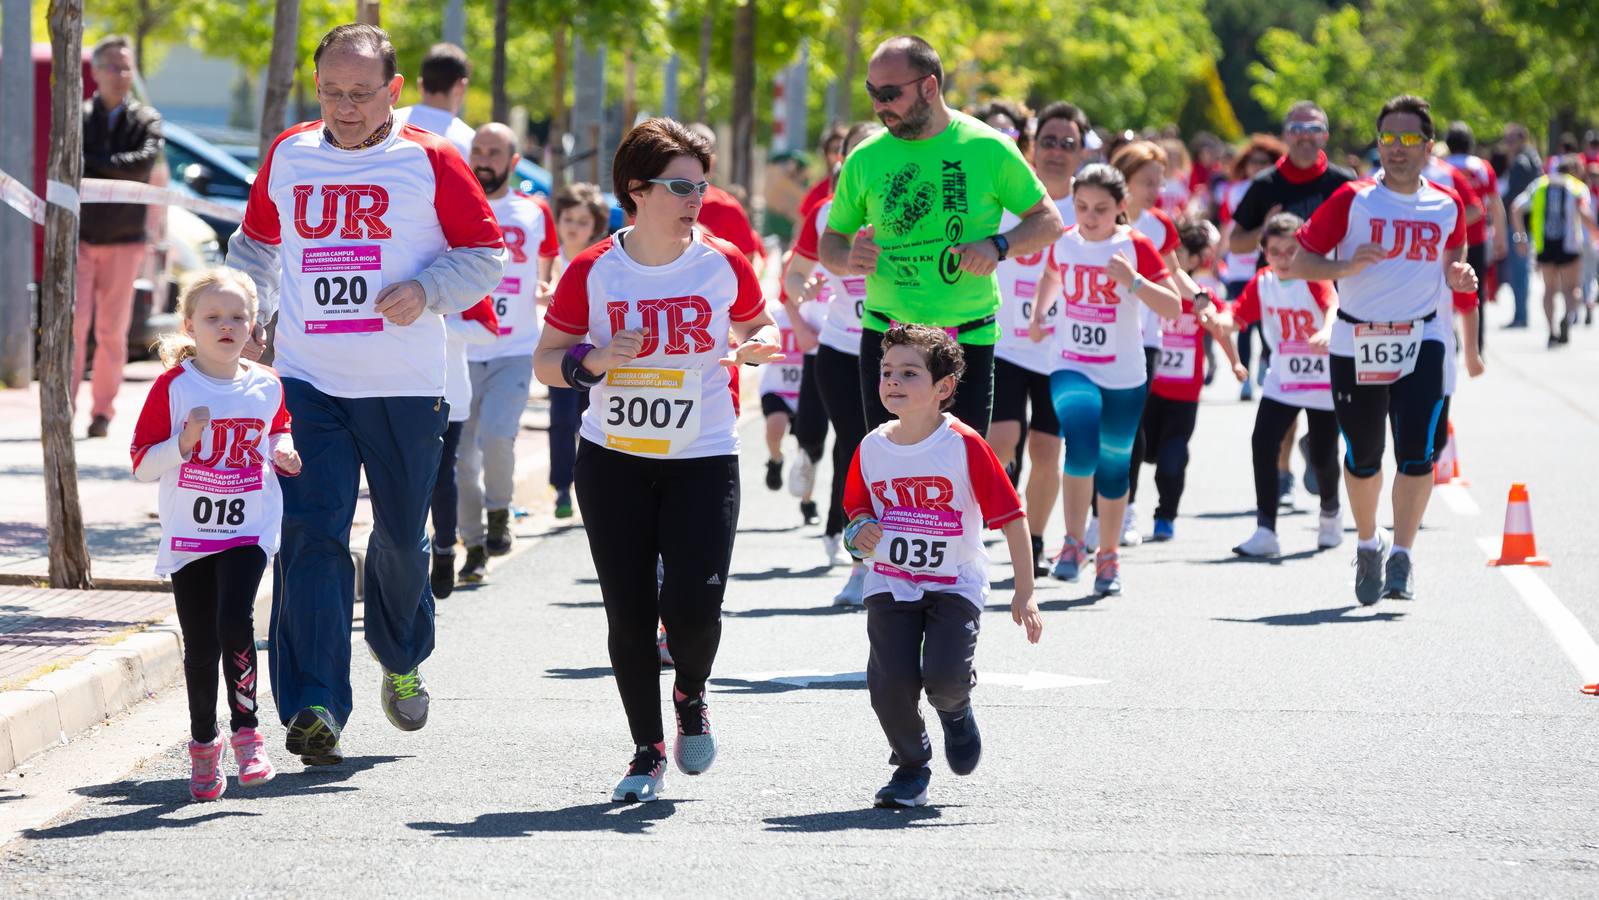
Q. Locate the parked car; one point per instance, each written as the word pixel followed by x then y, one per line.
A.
pixel 535 179
pixel 205 170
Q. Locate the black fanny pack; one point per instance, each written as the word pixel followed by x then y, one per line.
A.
pixel 1354 321
pixel 962 328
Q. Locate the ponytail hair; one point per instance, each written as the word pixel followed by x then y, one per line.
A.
pixel 1108 179
pixel 175 348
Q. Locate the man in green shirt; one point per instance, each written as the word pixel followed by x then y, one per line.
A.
pixel 917 211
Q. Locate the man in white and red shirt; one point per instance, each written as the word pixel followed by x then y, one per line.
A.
pixel 502 371
pixel 363 234
pixel 1396 245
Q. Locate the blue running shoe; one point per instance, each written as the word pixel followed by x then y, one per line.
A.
pixel 908 788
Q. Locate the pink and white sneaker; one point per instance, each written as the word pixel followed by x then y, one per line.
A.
pixel 206 781
pixel 249 751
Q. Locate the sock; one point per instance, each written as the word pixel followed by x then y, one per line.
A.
pixel 1369 544
pixel 1397 550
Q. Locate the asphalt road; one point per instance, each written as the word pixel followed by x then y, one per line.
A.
pixel 1225 728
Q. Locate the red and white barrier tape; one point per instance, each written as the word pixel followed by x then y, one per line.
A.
pixel 104 190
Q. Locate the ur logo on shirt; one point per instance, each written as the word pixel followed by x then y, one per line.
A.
pixel 917 491
pixel 1297 324
pixel 238 439
pixel 685 321
pixel 515 241
pixel 1422 238
pixel 356 210
pixel 1090 284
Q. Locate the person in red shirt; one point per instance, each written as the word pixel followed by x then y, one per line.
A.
pixel 833 156
pixel 722 215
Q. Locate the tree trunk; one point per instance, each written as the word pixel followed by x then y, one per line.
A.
pixel 368 12
pixel 502 105
pixel 280 72
pixel 707 21
pixel 852 59
pixel 69 552
pixel 558 113
pixel 629 88
pixel 744 96
pixel 16 232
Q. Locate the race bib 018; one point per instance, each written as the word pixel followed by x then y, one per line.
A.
pixel 651 412
pixel 1385 351
pixel 920 545
pixel 338 289
pixel 217 509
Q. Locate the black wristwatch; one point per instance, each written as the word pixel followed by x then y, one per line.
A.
pixel 1000 244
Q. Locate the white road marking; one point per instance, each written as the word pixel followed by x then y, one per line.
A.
pixel 1458 499
pixel 1032 681
pixel 1567 631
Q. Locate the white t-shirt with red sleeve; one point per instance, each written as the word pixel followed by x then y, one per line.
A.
pixel 845 297
pixel 1417 229
pixel 933 499
pixel 783 378
pixel 1289 312
pixel 226 493
pixel 687 308
pixel 1097 330
pixel 347 224
pixel 1156 225
pixel 529 230
pixel 1018 289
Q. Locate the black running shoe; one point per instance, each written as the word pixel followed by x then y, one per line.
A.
pixel 809 513
pixel 475 567
pixel 443 577
pixel 313 735
pixel 774 474
pixel 963 744
pixel 1040 560
pixel 498 542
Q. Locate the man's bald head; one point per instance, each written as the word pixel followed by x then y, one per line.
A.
pixel 915 53
pixel 493 157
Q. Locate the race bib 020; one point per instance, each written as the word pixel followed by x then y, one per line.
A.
pixel 1385 351
pixel 1302 367
pixel 1090 334
pixel 651 412
pixel 920 545
pixel 216 509
pixel 339 287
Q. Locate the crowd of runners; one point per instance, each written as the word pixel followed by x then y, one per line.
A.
pixel 993 313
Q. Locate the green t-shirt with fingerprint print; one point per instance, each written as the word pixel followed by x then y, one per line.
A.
pixel 922 198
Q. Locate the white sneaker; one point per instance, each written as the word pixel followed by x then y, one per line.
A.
pixel 833 544
pixel 1263 543
pixel 801 474
pixel 1331 531
pixel 1130 535
pixel 854 590
pixel 1091 536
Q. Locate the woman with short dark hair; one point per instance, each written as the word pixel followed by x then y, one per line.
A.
pixel 657 461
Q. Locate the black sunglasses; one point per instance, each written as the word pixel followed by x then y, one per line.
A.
pixel 1054 143
pixel 888 93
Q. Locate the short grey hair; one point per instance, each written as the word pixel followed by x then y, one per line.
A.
pixel 108 43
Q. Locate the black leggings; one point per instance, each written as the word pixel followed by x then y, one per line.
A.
pixel 1410 408
pixel 683 512
pixel 838 382
pixel 810 418
pixel 1272 421
pixel 1167 426
pixel 215 596
pixel 445 493
pixel 974 397
pixel 1477 258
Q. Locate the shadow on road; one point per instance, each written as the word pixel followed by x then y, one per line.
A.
pixel 159 800
pixel 780 572
pixel 850 681
pixel 613 817
pixel 870 819
pixel 1262 560
pixel 771 611
pixel 579 604
pixel 1319 617
pixel 579 674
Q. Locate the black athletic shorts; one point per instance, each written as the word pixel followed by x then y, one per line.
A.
pixel 1015 388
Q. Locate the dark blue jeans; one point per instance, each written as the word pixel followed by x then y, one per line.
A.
pixel 445 496
pixel 397 440
pixel 565 413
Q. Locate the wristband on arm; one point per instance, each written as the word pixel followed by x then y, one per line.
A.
pixel 572 368
pixel 853 529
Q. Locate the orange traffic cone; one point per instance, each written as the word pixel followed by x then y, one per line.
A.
pixel 1447 468
pixel 1519 547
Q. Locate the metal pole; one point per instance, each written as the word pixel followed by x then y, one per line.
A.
pixel 16 157
pixel 455 23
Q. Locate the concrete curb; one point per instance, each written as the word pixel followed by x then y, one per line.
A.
pixel 52 709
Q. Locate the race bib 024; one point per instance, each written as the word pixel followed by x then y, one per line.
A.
pixel 1302 367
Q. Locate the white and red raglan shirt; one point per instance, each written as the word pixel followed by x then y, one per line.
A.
pixel 783 378
pixel 1417 230
pixel 1098 329
pixel 845 297
pixel 226 493
pixel 673 400
pixel 1156 225
pixel 464 332
pixel 346 224
pixel 1018 290
pixel 933 499
pixel 1289 312
pixel 529 229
